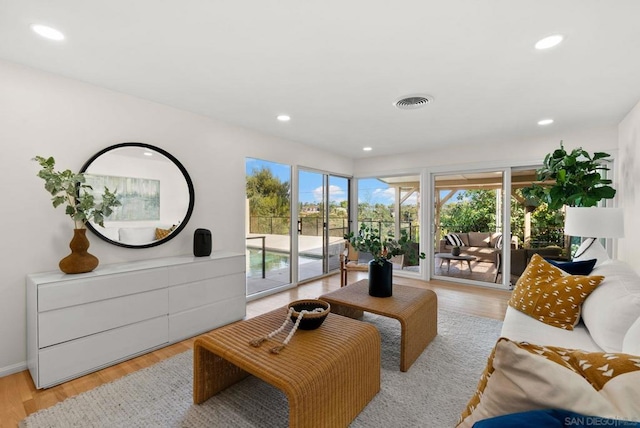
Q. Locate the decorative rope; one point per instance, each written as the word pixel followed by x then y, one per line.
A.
pixel 276 349
pixel 258 341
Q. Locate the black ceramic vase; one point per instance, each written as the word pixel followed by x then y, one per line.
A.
pixel 380 279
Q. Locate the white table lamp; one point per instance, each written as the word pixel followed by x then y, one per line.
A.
pixel 593 223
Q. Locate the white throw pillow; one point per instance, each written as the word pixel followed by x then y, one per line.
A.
pixel 614 306
pixel 595 250
pixel 112 233
pixel 631 342
pixel 137 235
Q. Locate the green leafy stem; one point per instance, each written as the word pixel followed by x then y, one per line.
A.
pixel 67 187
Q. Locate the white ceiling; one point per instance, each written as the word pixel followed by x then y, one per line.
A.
pixel 336 67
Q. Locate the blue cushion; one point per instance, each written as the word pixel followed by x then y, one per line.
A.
pixel 583 267
pixel 551 418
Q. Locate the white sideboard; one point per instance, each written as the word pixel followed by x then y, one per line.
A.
pixel 77 324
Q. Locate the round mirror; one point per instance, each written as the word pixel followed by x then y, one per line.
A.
pixel 154 188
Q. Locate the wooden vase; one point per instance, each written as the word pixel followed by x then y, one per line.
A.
pixel 79 261
pixel 380 279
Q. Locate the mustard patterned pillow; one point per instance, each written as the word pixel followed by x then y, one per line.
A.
pixel 520 376
pixel 545 293
pixel 162 233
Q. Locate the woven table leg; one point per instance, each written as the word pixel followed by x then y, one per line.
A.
pixel 347 311
pixel 212 373
pixel 418 328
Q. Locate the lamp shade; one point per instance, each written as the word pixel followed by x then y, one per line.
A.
pixel 594 222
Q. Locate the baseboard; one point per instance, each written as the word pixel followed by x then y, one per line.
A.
pixel 14 368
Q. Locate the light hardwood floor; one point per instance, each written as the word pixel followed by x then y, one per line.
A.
pixel 19 398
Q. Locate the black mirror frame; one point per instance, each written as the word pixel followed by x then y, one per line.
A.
pixel 176 163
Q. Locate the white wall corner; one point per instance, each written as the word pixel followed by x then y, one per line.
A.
pixel 628 179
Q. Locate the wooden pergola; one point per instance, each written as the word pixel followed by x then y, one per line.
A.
pixel 483 181
pixel 446 187
pixel 405 187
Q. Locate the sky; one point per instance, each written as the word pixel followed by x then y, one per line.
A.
pixel 370 190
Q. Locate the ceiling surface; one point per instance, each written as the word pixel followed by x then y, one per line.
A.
pixel 336 67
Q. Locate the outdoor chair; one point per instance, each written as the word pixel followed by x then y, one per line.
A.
pixel 349 261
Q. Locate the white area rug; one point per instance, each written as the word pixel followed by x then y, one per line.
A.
pixel 432 393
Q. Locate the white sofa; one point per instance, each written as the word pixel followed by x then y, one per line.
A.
pixel 540 371
pixel 132 235
pixel 610 318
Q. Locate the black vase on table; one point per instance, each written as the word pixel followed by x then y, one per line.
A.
pixel 455 251
pixel 380 279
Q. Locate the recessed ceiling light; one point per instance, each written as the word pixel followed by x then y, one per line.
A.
pixel 549 42
pixel 367 149
pixel 47 32
pixel 545 122
pixel 284 118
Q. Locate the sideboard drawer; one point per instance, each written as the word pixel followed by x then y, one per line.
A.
pixel 70 323
pixel 68 360
pixel 207 268
pixel 72 292
pixel 200 293
pixel 205 318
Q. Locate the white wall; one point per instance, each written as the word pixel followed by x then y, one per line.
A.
pixel 629 186
pixel 43 114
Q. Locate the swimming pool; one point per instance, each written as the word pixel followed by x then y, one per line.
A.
pixel 272 260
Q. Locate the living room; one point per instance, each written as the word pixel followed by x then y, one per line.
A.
pixel 49 111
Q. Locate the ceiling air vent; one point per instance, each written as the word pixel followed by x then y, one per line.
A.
pixel 412 102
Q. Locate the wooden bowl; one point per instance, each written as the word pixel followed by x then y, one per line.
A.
pixel 312 320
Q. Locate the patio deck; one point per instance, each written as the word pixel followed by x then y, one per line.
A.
pixel 481 271
pixel 309 247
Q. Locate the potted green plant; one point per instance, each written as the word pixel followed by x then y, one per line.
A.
pixel 368 240
pixel 571 178
pixel 70 189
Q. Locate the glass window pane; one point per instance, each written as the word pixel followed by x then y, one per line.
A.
pixel 269 225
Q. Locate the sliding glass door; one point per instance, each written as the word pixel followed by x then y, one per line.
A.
pixel 391 204
pixel 323 213
pixel 473 206
pixel 468 215
pixel 268 228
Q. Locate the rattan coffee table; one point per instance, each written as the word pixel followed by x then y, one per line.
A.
pixel 415 308
pixel 328 374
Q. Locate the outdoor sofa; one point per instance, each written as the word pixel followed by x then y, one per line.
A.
pixel 483 245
